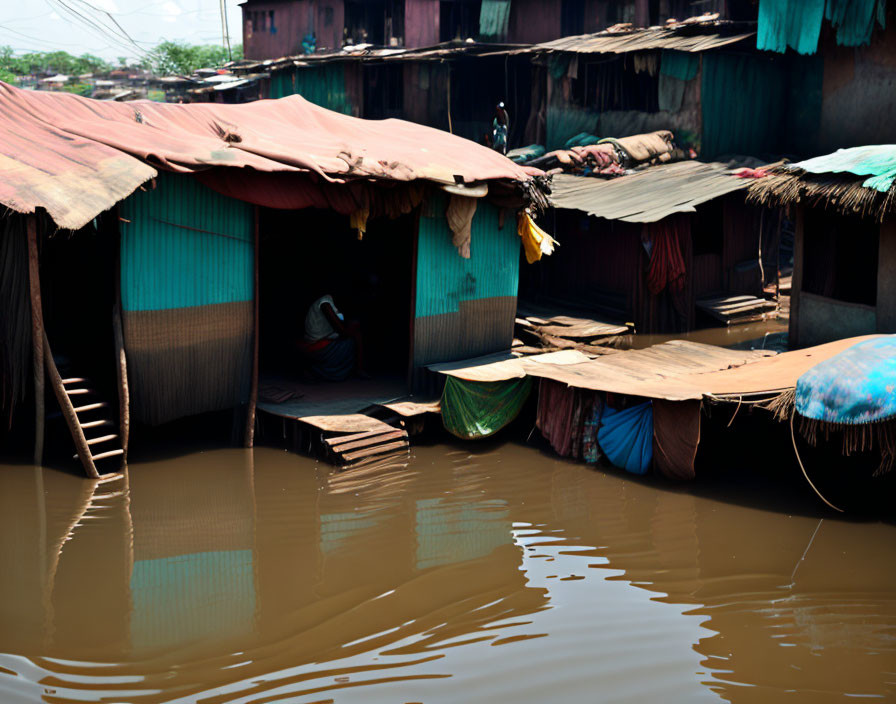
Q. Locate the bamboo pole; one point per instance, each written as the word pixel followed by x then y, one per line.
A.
pixel 253 391
pixel 37 336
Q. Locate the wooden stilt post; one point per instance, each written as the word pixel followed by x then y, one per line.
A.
pixel 37 338
pixel 124 398
pixel 253 391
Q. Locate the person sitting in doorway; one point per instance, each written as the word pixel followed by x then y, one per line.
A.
pixel 331 344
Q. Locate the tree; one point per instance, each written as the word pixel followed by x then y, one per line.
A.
pixel 180 58
pixel 48 61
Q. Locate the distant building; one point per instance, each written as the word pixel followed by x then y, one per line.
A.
pixel 276 28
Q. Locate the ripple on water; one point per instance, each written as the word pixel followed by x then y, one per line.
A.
pixel 503 575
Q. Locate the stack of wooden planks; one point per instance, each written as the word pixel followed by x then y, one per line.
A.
pixel 543 329
pixel 349 450
pixel 738 309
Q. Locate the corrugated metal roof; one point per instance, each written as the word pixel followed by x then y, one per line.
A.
pixel 648 195
pixel 77 157
pixel 876 160
pixel 682 37
pixel 368 53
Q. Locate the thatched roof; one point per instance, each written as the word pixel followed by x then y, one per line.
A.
pixel 838 182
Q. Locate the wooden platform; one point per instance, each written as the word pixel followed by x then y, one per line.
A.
pixel 327 398
pixel 737 309
pixel 678 370
pixel 344 422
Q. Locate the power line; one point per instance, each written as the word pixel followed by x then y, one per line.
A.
pixel 98 27
pixel 114 21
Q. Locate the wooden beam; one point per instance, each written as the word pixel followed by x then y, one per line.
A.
pixel 37 336
pixel 253 391
pixel 121 368
pixel 796 287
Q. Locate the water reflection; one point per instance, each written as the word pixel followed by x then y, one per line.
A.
pixel 232 576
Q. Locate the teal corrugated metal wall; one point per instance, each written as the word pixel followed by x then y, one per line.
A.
pixel 444 278
pixel 322 85
pixel 165 264
pixel 776 107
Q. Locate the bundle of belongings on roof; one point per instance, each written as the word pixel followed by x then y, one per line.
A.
pixel 588 155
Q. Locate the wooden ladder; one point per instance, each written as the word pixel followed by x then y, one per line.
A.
pixel 84 416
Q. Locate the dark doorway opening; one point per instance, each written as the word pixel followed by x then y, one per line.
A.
pixel 459 19
pixel 306 254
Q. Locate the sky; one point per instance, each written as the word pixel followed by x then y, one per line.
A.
pixel 49 25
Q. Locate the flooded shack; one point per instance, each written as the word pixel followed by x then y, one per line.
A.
pixel 195 227
pixel 844 267
pixel 664 247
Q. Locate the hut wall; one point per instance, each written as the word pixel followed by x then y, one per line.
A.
pixel 823 319
pixel 836 277
pixel 426 93
pixel 533 21
pixel 886 278
pixel 421 23
pixel 740 229
pixel 464 307
pixel 186 287
pixel 859 92
pixel 274 29
pixel 595 266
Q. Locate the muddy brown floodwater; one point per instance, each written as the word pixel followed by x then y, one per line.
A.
pixel 485 573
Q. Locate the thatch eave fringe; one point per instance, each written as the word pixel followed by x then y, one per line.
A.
pixel 856 438
pixel 841 192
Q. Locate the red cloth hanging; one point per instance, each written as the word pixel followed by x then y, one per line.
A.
pixel 666 263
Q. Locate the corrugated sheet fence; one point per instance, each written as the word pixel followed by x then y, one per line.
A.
pixel 186 287
pixel 323 85
pixel 465 307
pixel 758 105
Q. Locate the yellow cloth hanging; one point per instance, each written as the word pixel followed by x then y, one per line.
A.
pixel 358 221
pixel 536 241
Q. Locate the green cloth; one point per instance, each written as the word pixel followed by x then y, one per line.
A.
pixel 682 65
pixel 676 69
pixel 478 409
pixel 854 19
pixel 789 23
pixel 558 65
pixel 494 17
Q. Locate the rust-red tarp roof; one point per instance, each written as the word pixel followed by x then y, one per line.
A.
pixel 76 157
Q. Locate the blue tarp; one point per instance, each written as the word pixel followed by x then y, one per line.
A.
pixel 855 387
pixel 626 437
